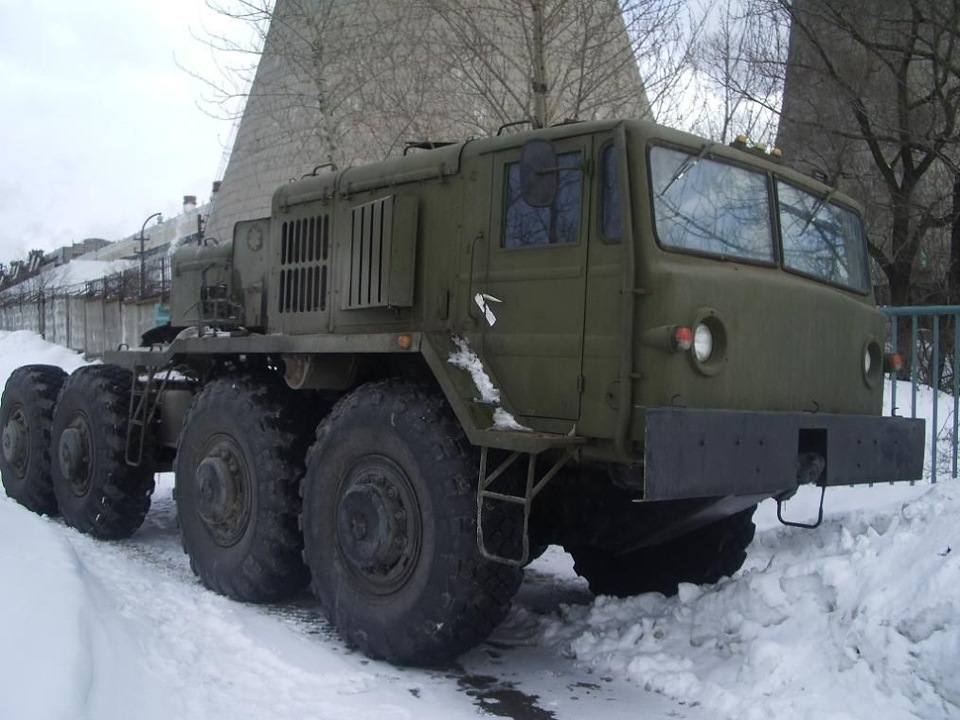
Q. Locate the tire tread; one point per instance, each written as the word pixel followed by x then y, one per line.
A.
pixel 40 384
pixel 702 557
pixel 274 568
pixel 119 497
pixel 478 592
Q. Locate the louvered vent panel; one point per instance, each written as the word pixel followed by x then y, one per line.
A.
pixel 368 266
pixel 304 258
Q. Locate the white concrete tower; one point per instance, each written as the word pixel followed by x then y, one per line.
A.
pixel 351 81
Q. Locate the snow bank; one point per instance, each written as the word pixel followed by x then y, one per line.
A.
pixel 857 620
pixel 26 348
pixel 66 653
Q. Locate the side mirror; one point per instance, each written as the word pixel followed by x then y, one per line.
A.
pixel 538 172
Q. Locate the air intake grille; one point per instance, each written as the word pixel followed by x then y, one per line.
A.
pixel 304 254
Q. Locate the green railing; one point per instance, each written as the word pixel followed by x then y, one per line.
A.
pixel 930 328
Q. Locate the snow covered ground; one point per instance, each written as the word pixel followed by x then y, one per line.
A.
pixel 859 619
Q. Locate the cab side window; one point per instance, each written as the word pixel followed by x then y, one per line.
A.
pixel 558 224
pixel 609 195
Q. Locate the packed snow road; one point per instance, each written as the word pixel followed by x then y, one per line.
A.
pixel 855 620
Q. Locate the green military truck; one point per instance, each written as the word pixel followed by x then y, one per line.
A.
pixel 415 375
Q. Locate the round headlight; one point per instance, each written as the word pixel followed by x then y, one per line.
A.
pixel 702 342
pixel 708 354
pixel 872 362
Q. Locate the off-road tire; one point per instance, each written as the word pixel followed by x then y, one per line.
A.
pixel 701 557
pixel 396 446
pixel 26 418
pixel 253 552
pixel 99 495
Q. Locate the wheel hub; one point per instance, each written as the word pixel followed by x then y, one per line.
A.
pixel 216 490
pixel 74 454
pixel 372 527
pixel 221 495
pixel 378 524
pixel 16 440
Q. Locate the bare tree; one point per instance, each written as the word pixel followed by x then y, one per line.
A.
pixel 872 104
pixel 378 72
pixel 550 60
pixel 739 91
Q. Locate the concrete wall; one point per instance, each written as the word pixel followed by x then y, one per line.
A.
pixel 90 326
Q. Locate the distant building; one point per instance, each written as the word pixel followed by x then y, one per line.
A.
pixel 158 241
pixel 65 254
pixel 158 238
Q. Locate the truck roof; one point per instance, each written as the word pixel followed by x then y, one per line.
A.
pixel 445 161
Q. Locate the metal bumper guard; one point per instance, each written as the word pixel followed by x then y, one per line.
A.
pixel 700 453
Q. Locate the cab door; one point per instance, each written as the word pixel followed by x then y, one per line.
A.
pixel 532 296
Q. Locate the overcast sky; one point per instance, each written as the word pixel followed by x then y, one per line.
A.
pixel 99 127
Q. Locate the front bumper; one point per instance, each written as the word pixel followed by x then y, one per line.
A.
pixel 693 453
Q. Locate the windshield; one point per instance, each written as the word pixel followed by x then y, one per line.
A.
pixel 706 206
pixel 822 240
pixel 709 207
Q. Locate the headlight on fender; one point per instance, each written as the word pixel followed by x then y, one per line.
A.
pixel 873 362
pixel 703 342
pixel 710 344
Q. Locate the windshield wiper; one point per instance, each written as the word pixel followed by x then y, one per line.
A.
pixel 685 167
pixel 821 203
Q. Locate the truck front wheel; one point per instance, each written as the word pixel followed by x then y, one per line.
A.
pixel 98 493
pixel 26 418
pixel 703 556
pixel 239 461
pixel 389 522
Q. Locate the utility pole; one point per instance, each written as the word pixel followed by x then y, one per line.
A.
pixel 143 257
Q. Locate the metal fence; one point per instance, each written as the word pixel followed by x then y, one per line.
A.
pixel 928 339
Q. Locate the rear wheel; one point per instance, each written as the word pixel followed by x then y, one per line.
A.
pixel 239 462
pixel 98 493
pixel 390 528
pixel 26 419
pixel 700 557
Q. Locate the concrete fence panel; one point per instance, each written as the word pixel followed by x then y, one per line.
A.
pixel 30 317
pixel 76 324
pixel 93 337
pixel 137 319
pixel 112 325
